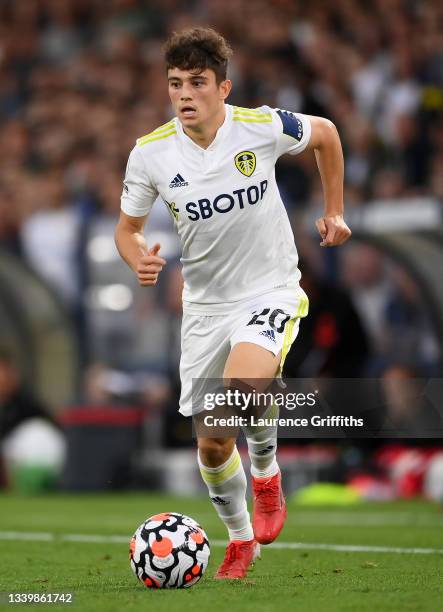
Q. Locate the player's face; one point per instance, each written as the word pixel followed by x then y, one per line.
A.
pixel 196 96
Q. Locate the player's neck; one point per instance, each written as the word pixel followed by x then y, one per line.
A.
pixel 204 135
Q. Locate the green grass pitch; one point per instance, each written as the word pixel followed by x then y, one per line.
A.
pixel 305 578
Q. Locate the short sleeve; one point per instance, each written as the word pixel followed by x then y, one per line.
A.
pixel 293 132
pixel 138 194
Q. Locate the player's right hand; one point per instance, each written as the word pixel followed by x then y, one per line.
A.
pixel 150 266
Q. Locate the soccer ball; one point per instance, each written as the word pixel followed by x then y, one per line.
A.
pixel 169 551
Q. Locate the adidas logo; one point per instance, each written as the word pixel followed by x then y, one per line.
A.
pixel 264 451
pixel 178 181
pixel 220 501
pixel 268 333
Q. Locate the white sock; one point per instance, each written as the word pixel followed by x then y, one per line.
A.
pixel 262 446
pixel 227 490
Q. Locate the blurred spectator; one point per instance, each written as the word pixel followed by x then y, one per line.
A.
pixel 363 272
pixel 408 328
pixel 392 309
pixel 49 239
pixel 403 401
pixel 17 403
pixel 332 340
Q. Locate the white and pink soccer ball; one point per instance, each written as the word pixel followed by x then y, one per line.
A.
pixel 169 551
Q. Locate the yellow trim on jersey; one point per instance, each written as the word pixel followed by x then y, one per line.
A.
pixel 160 130
pixel 149 138
pixel 249 115
pixel 164 127
pixel 239 110
pixel 216 478
pixel 245 120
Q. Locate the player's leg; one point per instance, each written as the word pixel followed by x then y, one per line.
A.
pixel 222 471
pixel 205 347
pixel 259 346
pixel 254 366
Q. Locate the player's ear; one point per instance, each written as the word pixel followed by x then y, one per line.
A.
pixel 225 89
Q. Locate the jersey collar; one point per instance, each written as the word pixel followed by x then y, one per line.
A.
pixel 219 137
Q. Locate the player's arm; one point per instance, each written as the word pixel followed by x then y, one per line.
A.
pixel 325 142
pixel 131 245
pixel 137 199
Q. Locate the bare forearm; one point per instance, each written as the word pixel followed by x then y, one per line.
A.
pixel 325 142
pixel 131 246
pixel 329 156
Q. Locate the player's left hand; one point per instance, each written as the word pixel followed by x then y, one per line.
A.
pixel 333 230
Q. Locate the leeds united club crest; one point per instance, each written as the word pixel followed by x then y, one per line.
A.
pixel 245 162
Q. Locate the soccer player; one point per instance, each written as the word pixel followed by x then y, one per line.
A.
pixel 214 166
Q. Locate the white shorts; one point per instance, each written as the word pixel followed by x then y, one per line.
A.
pixel 270 320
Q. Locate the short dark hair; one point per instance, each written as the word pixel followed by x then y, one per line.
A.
pixel 198 49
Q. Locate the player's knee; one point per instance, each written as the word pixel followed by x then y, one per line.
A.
pixel 245 387
pixel 215 451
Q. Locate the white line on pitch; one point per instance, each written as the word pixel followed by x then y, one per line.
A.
pixel 116 539
pixel 366 519
pixel 24 535
pixel 352 519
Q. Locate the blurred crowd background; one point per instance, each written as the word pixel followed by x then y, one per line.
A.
pixel 80 80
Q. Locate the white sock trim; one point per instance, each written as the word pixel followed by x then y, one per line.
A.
pixel 271 470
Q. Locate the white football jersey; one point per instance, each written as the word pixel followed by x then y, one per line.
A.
pixel 236 238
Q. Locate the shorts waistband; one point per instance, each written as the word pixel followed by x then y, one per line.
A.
pixel 227 307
